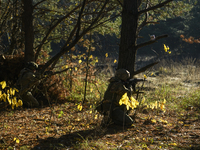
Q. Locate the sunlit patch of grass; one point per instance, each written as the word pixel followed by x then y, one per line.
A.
pixel 91 144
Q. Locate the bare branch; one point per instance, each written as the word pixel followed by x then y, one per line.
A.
pixel 151 41
pixel 66 48
pixel 51 29
pixel 154 7
pixel 38 3
pixel 79 18
pixel 146 18
pixel 145 68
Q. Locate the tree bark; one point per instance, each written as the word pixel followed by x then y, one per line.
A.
pixel 27 19
pixel 128 41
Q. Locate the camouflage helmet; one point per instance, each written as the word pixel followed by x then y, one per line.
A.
pixel 122 74
pixel 32 65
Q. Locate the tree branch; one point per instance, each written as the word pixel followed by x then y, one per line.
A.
pixel 145 19
pixel 66 48
pixel 50 30
pixel 145 68
pixel 79 18
pixel 154 7
pixel 151 41
pixel 38 3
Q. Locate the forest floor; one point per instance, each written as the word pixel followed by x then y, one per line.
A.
pixel 63 126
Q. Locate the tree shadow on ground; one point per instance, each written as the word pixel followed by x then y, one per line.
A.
pixel 69 140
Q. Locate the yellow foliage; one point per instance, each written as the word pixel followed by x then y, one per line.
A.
pixel 19 103
pixel 166 48
pixel 9 95
pixel 3 84
pixel 128 102
pixel 106 54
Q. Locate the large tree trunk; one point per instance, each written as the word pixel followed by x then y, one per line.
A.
pixel 27 19
pixel 128 41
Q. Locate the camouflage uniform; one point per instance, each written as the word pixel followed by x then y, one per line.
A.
pixel 26 79
pixel 110 105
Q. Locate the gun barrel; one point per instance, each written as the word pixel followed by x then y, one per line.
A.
pixel 137 80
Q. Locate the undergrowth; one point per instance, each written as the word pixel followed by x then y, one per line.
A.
pixel 169 99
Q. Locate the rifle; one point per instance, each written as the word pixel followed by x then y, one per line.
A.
pixel 133 82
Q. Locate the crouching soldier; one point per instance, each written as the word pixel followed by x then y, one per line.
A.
pixel 110 107
pixel 27 80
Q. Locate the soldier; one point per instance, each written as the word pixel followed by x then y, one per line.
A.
pixel 26 81
pixel 110 105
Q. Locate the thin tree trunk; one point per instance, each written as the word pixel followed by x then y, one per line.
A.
pixel 27 19
pixel 128 41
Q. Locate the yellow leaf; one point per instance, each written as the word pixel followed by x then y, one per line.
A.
pixel 181 122
pixel 95 117
pixel 90 57
pixel 106 54
pixel 169 52
pixel 66 66
pixel 90 111
pixel 80 61
pixel 75 69
pixel 9 100
pixel 4 96
pixel 153 120
pixel 145 76
pixel 79 107
pixel 14 101
pixel 19 103
pixel 162 106
pixel 143 100
pixel 115 61
pixel 166 48
pixel 164 121
pixel 13 106
pixel 156 104
pixel 124 99
pixel 169 124
pixel 16 140
pixel 3 84
pixel 91 89
pixel 173 144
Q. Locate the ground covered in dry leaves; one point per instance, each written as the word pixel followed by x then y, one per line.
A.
pixel 63 126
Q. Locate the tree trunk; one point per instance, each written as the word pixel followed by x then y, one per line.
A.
pixel 128 41
pixel 27 19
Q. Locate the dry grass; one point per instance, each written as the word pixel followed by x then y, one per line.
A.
pixel 65 127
